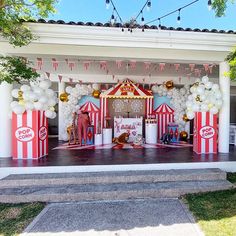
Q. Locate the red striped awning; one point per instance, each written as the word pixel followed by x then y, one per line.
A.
pixel 163 109
pixel 127 89
pixel 89 107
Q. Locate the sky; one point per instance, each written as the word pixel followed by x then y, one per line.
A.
pixel 194 16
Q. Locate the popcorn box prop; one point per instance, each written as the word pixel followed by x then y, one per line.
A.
pixel 29 135
pixel 173 130
pixel 205 133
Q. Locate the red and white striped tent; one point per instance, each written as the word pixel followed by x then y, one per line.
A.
pixel 94 113
pixel 126 89
pixel 164 115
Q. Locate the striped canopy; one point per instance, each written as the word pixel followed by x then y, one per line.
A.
pixel 127 89
pixel 163 109
pixel 89 107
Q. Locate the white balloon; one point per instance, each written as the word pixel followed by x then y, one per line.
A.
pixel 218 95
pixel 200 90
pixel 183 91
pixel 26 95
pixel 25 88
pixel 14 93
pixel 13 104
pixel 68 89
pixel 190 115
pixel 215 87
pixel 52 102
pixel 29 106
pixel 219 103
pixel 38 91
pixel 38 106
pixel 18 109
pixel 45 84
pixel 204 107
pixel 195 107
pixel 96 86
pixel 214 110
pixel 50 92
pixel 205 79
pixel 208 85
pixel 49 113
pixel 33 96
pixel 43 100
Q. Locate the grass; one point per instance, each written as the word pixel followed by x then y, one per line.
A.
pixel 231 177
pixel 215 212
pixel 15 217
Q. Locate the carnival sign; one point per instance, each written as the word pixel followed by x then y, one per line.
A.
pixel 207 132
pixel 24 134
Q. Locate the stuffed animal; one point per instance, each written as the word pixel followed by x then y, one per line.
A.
pixel 123 138
pixel 166 138
pixel 138 141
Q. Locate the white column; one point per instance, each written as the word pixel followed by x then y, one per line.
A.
pixel 224 115
pixel 61 89
pixel 5 121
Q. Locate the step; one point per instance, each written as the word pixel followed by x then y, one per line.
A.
pixel 115 191
pixel 152 176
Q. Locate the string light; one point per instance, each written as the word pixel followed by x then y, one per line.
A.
pixel 209 5
pixel 159 26
pixel 107 4
pixel 178 18
pixel 112 16
pixel 149 4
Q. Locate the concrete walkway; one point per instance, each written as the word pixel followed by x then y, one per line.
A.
pixel 162 217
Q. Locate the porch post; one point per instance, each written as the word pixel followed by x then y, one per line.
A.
pixel 5 124
pixel 61 89
pixel 224 114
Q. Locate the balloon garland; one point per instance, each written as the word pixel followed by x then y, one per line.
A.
pixel 70 104
pixel 178 99
pixel 36 96
pixel 205 96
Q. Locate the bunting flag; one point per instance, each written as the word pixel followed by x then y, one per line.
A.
pixel 206 67
pixel 147 65
pixel 192 66
pixel 177 67
pixel 103 65
pixel 48 74
pixel 86 64
pixel 60 78
pixel 132 64
pixel 162 66
pixel 67 61
pixel 210 69
pixel 197 72
pixel 39 63
pixel 71 80
pixel 55 64
pixel 71 65
pixel 119 64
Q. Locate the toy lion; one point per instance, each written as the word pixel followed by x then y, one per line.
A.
pixel 123 138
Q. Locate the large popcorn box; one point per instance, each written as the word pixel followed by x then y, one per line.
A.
pixel 205 137
pixel 29 135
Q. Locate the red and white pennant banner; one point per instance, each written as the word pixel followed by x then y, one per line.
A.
pixel 103 65
pixel 39 63
pixel 162 66
pixel 147 65
pixel 55 63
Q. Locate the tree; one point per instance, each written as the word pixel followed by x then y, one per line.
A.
pixel 16 69
pixel 220 6
pixel 13 13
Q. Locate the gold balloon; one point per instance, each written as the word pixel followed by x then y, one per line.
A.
pixel 96 93
pixel 64 97
pixel 22 102
pixel 183 135
pixel 198 99
pixel 169 84
pixel 185 118
pixel 20 95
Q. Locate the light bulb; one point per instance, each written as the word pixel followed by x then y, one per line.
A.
pixel 112 19
pixel 178 19
pixel 149 4
pixel 209 5
pixel 107 4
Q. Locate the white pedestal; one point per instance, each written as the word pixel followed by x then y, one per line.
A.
pixel 98 139
pixel 151 133
pixel 107 135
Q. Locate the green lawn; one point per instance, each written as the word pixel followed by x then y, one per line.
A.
pixel 15 217
pixel 215 212
pixel 231 177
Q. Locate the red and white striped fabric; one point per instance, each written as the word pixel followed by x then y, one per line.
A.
pixel 94 113
pixel 127 89
pixel 164 115
pixel 205 138
pixel 149 108
pixel 29 135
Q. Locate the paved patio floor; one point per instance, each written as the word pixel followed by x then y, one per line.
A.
pixel 164 217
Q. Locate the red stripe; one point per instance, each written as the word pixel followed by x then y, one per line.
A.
pixel 35 139
pixel 46 140
pixel 24 144
pixel 14 140
pixel 113 92
pixel 207 140
pixel 199 125
pixel 215 138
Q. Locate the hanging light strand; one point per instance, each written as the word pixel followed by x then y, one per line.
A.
pixel 115 10
pixel 148 4
pixel 172 12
